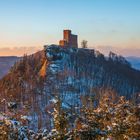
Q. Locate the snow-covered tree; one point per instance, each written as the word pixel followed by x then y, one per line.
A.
pixel 60 120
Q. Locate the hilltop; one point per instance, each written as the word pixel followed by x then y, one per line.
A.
pixel 70 73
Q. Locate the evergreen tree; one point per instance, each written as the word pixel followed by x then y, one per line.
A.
pixel 60 120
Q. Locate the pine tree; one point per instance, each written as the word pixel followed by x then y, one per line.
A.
pixel 60 120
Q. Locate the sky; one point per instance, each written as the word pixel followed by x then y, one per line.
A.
pixel 107 25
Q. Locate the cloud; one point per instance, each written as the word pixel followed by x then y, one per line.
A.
pixel 128 51
pixel 18 51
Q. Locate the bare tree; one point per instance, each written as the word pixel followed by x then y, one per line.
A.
pixel 84 43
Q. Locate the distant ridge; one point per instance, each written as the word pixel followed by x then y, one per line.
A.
pixel 6 62
pixel 135 61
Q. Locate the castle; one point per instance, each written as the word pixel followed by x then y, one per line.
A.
pixel 69 40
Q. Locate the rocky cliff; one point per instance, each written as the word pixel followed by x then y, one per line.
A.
pixel 77 71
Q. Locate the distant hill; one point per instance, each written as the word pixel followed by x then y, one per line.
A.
pixel 135 61
pixel 6 62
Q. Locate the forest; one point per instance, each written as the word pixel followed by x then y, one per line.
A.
pixel 70 94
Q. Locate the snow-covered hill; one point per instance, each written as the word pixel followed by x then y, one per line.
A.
pixel 84 69
pixel 72 74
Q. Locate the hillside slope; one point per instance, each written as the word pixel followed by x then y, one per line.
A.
pixel 84 69
pixel 72 74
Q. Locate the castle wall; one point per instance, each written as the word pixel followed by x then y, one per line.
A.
pixel 73 41
pixel 67 35
pixel 63 43
pixel 69 40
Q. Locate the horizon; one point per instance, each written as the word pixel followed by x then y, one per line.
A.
pixel 19 52
pixel 27 26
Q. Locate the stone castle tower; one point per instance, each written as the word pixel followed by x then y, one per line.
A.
pixel 69 40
